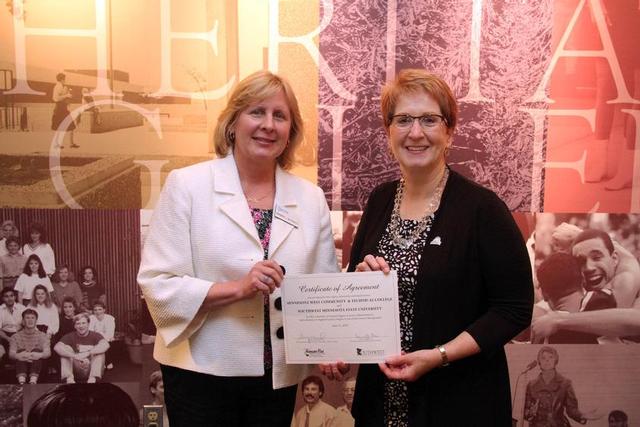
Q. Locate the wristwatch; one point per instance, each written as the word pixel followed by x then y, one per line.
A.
pixel 443 355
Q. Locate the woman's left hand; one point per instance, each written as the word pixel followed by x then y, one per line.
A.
pixel 410 366
pixel 373 263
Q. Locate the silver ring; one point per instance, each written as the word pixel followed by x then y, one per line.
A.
pixel 265 278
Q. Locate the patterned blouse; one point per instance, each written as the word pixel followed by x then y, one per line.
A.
pixel 262 219
pixel 406 263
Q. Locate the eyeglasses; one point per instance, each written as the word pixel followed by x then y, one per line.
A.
pixel 427 121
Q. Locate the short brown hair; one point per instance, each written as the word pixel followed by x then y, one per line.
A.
pixel 314 379
pixel 255 88
pixel 29 311
pixel 413 80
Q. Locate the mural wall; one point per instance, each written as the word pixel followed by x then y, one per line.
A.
pixel 549 93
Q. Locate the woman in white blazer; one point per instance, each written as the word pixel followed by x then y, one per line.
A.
pixel 222 236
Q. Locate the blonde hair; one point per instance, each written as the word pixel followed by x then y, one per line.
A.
pixel 79 316
pixel 414 80
pixel 255 88
pixel 10 222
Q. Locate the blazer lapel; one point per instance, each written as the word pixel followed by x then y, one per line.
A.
pixel 285 211
pixel 227 185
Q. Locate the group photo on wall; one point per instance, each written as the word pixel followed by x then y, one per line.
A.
pixel 67 303
pixel 164 167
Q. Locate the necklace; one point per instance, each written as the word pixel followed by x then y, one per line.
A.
pixel 395 224
pixel 256 199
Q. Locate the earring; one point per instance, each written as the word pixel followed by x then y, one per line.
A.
pixel 446 151
pixel 232 136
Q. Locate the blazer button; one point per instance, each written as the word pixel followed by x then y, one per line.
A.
pixel 278 303
pixel 280 332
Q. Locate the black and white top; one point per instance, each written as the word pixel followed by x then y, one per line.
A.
pixel 405 262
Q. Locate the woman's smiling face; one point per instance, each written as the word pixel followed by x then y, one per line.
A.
pixel 417 147
pixel 262 130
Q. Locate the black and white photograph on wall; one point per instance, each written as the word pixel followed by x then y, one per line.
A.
pixel 586 278
pixel 70 308
pixel 564 385
pixel 151 388
pixel 84 114
pixel 324 402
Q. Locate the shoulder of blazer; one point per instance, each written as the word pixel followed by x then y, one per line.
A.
pixel 378 208
pixel 458 187
pixel 217 175
pixel 193 177
pixel 461 191
pixel 197 169
pixel 374 220
pixel 382 194
pixel 296 187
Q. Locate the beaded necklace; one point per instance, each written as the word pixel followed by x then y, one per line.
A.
pixel 395 224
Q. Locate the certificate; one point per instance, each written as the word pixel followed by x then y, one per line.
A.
pixel 351 317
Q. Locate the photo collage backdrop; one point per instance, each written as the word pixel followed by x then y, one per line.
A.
pixel 549 96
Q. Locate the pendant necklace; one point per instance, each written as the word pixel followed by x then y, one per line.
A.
pixel 395 224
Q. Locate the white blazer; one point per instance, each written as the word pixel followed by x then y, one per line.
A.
pixel 201 233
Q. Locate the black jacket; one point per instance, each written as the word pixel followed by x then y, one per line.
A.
pixel 477 279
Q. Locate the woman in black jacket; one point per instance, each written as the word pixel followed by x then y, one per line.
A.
pixel 464 276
